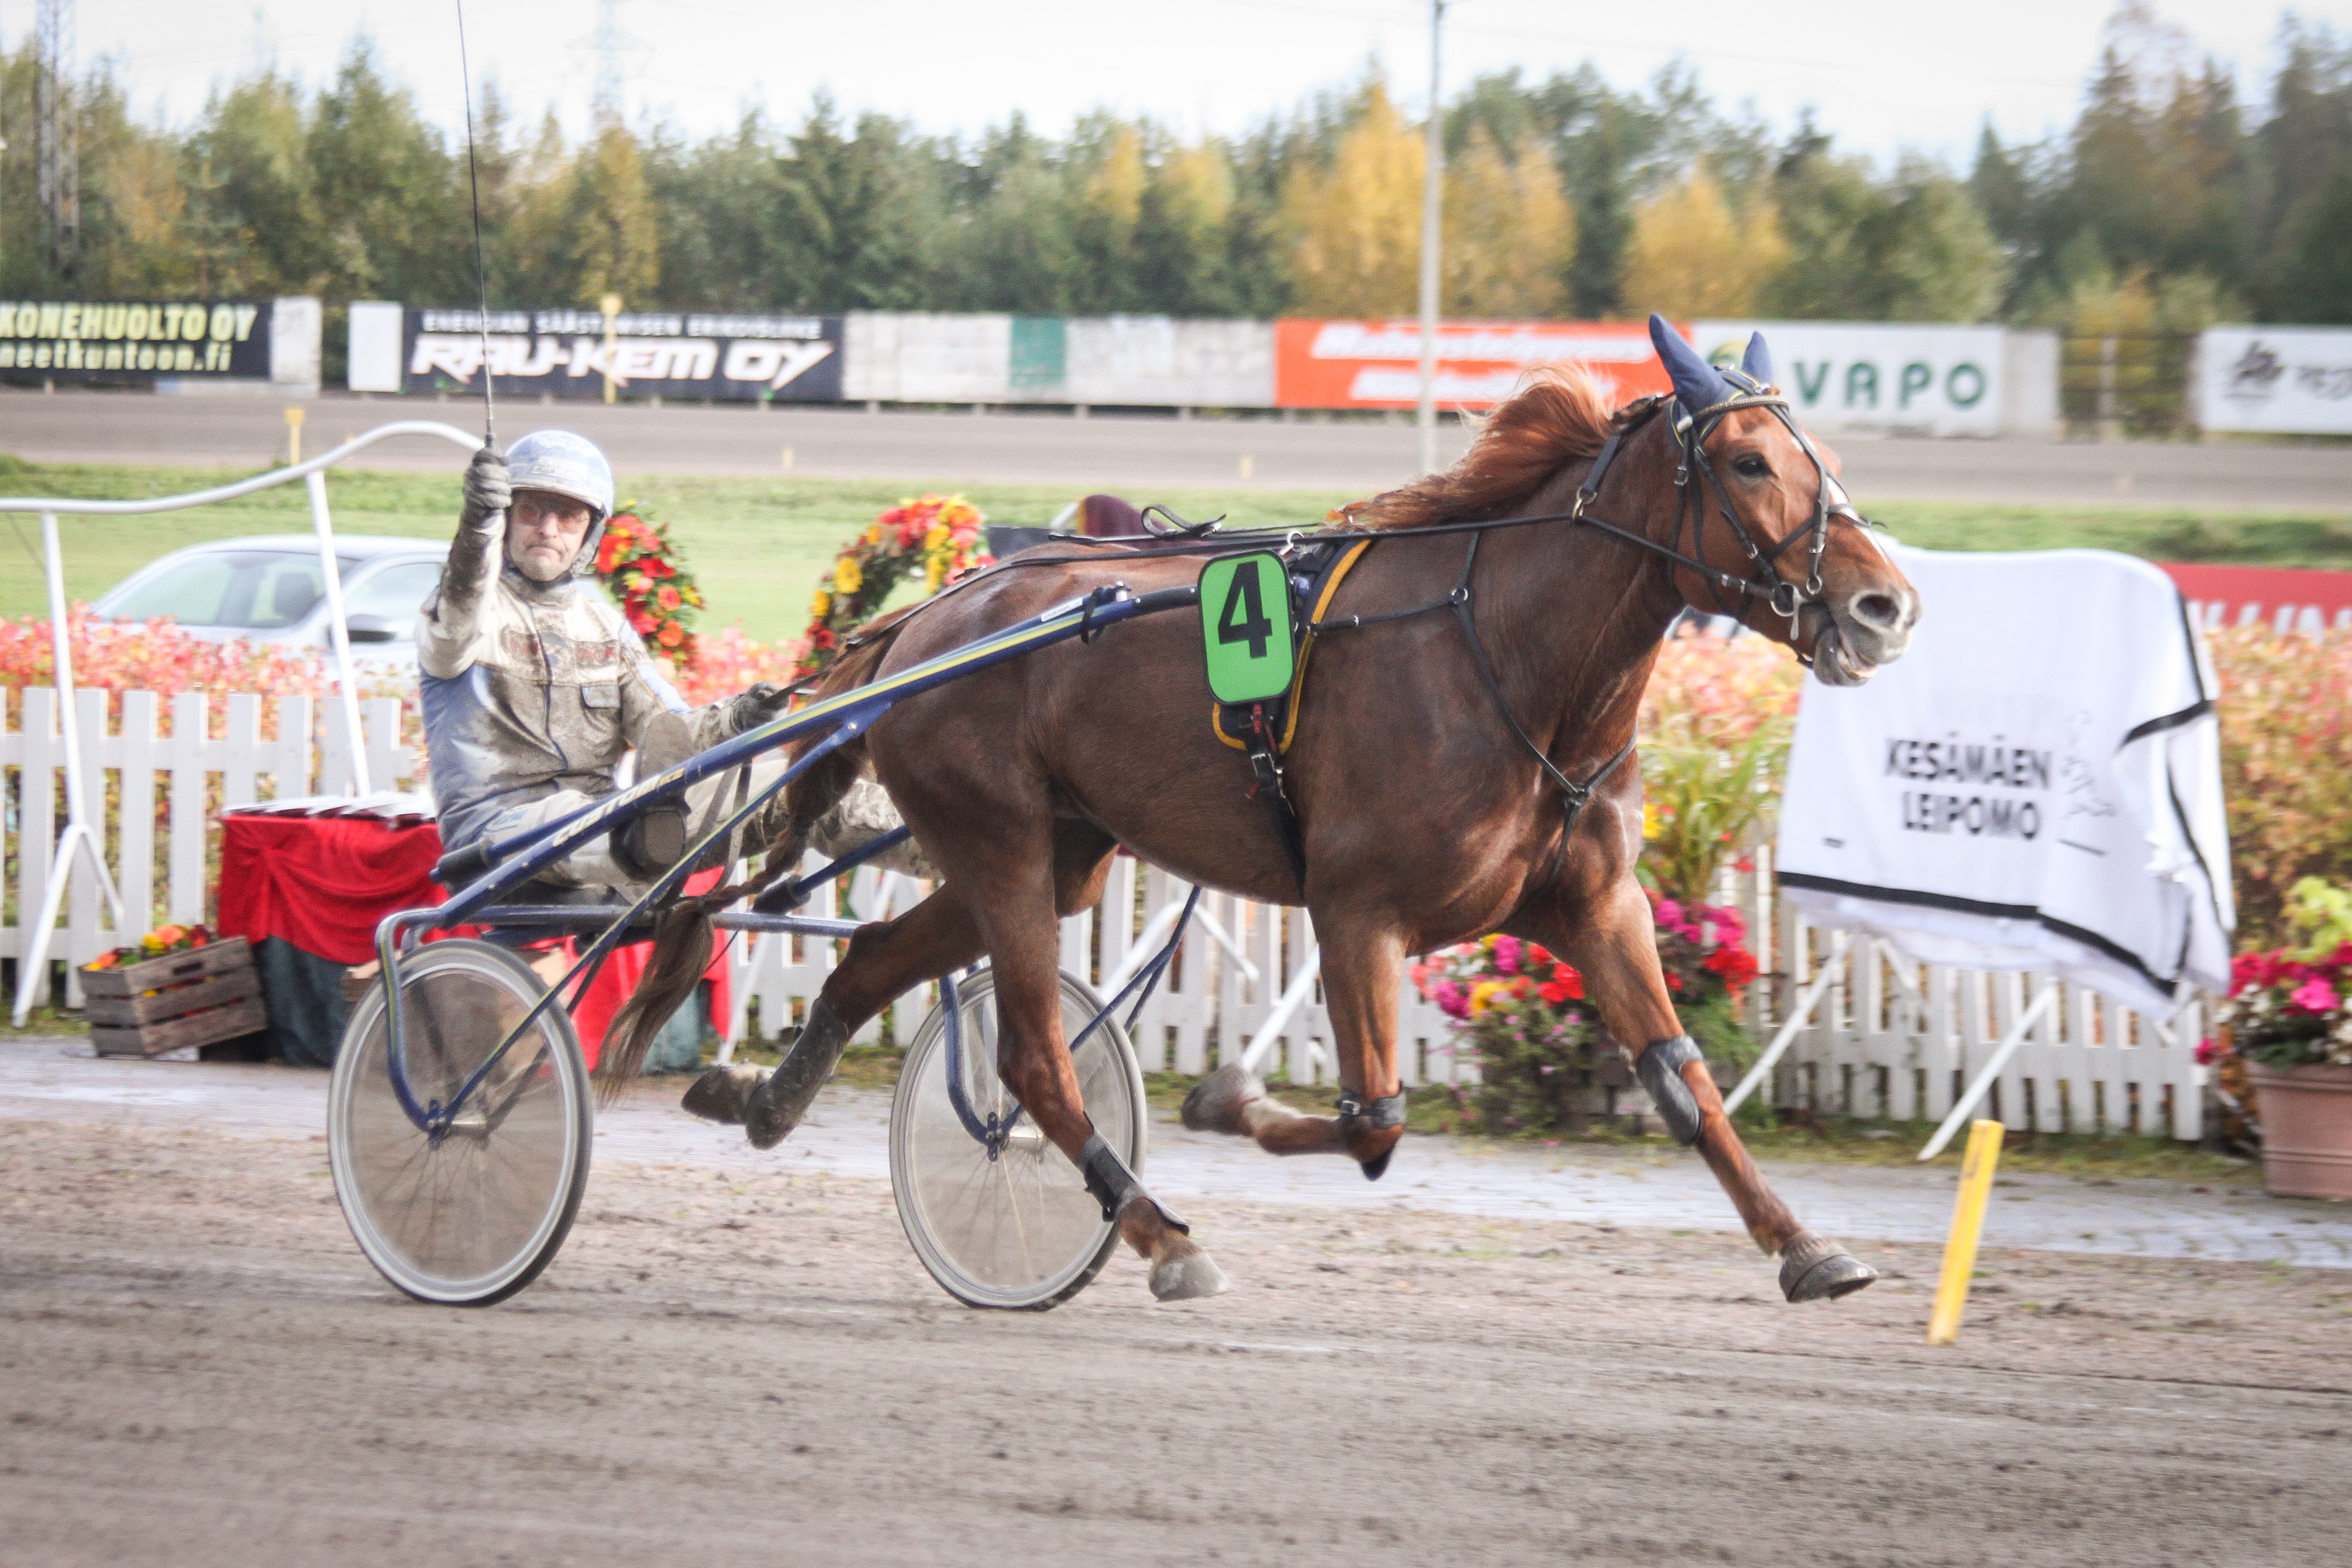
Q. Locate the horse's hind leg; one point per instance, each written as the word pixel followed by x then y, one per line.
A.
pixel 885 960
pixel 1617 952
pixel 1362 971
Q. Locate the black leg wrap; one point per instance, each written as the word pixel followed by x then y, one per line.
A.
pixel 1660 1069
pixel 1113 1185
pixel 780 1103
pixel 1385 1113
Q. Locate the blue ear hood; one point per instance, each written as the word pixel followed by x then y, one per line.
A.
pixel 1696 382
pixel 1758 361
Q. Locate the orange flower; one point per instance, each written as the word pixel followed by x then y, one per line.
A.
pixel 668 598
pixel 671 634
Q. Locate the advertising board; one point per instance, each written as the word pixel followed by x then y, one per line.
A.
pixel 1872 380
pixel 570 353
pixel 135 341
pixel 1377 364
pixel 2293 380
pixel 2283 598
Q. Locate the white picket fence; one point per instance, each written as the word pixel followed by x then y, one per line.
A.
pixel 1891 1037
pixel 1895 1038
pixel 141 774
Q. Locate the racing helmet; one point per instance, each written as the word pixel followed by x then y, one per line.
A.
pixel 568 464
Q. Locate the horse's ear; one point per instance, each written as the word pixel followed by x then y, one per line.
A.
pixel 1696 382
pixel 1758 361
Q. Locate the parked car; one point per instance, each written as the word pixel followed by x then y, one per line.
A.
pixel 268 590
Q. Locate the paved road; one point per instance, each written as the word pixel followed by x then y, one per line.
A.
pixel 58 1078
pixel 1111 452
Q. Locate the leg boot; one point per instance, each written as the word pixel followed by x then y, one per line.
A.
pixel 779 1102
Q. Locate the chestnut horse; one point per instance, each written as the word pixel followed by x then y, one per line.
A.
pixel 1426 770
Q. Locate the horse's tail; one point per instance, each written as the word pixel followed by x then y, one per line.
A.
pixel 682 941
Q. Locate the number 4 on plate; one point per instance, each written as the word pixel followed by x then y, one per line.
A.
pixel 1246 627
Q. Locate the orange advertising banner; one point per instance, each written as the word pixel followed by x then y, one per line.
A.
pixel 1377 364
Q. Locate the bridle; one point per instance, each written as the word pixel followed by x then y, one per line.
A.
pixel 1690 431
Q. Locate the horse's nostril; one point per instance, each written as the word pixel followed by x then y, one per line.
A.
pixel 1875 608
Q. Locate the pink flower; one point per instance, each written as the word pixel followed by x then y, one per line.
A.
pixel 1507 955
pixel 2314 995
pixel 1451 998
pixel 1670 913
pixel 2208 1050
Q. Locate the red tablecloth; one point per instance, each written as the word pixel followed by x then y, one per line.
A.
pixel 322 883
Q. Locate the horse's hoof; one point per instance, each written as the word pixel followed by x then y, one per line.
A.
pixel 724 1094
pixel 1186 1273
pixel 1815 1268
pixel 1215 1104
pixel 1378 1166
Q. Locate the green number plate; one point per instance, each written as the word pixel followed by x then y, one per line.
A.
pixel 1246 627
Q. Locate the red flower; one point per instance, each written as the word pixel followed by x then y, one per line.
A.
pixel 653 566
pixel 641 621
pixel 823 638
pixel 1565 986
pixel 1538 957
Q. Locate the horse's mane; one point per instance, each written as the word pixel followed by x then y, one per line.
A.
pixel 1560 414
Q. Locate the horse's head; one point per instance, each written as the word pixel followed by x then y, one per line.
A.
pixel 1789 553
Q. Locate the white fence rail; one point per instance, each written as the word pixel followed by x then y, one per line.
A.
pixel 1890 1036
pixel 1895 1038
pixel 162 791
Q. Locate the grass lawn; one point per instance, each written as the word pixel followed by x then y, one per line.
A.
pixel 758 545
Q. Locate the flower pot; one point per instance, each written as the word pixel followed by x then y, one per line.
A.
pixel 2307 1129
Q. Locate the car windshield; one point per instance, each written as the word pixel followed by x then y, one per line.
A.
pixel 252 590
pixel 394 594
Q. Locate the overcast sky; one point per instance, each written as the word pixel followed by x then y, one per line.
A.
pixel 1881 74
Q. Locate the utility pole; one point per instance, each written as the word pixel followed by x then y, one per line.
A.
pixel 612 48
pixel 56 151
pixel 1433 182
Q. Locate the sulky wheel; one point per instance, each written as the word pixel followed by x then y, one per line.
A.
pixel 471 1216
pixel 1018 1230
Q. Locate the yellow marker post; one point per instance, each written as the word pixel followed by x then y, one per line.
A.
pixel 1967 1224
pixel 293 435
pixel 610 307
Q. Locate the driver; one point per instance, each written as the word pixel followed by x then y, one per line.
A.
pixel 534 684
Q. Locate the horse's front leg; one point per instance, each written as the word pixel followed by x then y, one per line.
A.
pixel 1362 971
pixel 1616 948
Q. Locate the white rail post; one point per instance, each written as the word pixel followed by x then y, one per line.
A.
pixel 32 969
pixel 1301 986
pixel 339 632
pixel 1807 1001
pixel 1992 1069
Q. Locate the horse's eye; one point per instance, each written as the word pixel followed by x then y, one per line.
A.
pixel 1749 465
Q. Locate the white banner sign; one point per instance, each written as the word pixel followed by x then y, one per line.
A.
pixel 2036 785
pixel 1875 380
pixel 2295 381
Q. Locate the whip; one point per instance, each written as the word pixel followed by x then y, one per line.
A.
pixel 481 269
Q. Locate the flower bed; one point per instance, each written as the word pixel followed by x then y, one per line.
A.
pixel 1545 1061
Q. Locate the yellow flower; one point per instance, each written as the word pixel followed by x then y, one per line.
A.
pixel 1651 823
pixel 846 577
pixel 823 606
pixel 874 534
pixel 936 537
pixel 1482 995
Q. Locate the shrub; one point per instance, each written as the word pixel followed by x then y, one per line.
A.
pixel 2286 768
pixel 1716 722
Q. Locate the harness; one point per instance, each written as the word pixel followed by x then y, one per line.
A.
pixel 1317 562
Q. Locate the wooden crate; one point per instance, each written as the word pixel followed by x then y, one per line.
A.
pixel 197 998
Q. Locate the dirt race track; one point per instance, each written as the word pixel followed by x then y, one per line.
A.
pixel 198 1368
